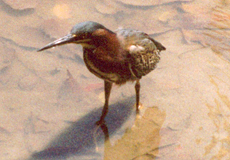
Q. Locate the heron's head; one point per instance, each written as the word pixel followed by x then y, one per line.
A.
pixel 83 33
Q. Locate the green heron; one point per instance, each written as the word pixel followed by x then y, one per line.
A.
pixel 116 57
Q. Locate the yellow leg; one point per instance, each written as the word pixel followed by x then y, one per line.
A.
pixel 107 88
pixel 137 88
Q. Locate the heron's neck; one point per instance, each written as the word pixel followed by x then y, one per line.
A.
pixel 107 40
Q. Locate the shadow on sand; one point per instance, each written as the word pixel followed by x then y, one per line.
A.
pixel 83 137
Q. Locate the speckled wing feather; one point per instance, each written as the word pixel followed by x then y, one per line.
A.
pixel 143 51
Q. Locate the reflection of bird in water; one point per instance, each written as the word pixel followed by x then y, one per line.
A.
pixel 116 57
pixel 97 134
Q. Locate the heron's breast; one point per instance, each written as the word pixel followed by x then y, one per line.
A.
pixel 93 68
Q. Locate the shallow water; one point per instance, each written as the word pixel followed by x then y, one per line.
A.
pixel 50 101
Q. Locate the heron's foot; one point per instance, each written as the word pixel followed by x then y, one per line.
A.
pixel 100 122
pixel 138 106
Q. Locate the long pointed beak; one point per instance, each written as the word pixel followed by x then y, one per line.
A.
pixel 64 40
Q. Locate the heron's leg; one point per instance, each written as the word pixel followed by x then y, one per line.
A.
pixel 107 88
pixel 137 88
